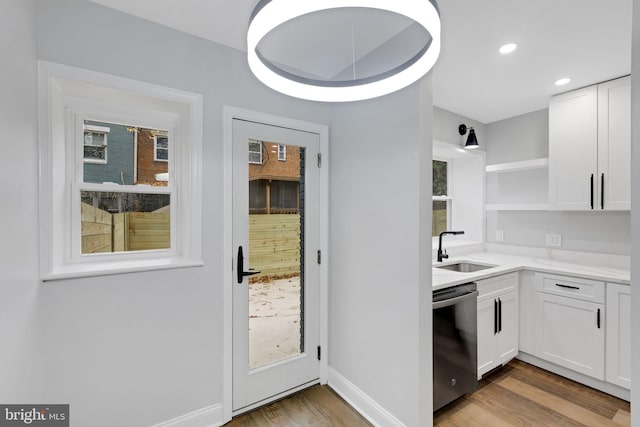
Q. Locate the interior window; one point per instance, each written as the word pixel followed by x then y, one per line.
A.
pixel 441 199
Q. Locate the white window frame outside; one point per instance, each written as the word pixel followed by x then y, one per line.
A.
pixel 98 129
pixel 260 143
pixel 155 148
pixel 445 197
pixel 67 97
pixel 282 152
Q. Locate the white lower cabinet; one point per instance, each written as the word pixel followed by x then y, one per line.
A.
pixel 570 328
pixel 618 327
pixel 497 321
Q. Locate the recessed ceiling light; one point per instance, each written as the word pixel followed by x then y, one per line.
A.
pixel 563 81
pixel 508 48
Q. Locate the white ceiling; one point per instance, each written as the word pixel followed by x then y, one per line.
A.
pixel 586 40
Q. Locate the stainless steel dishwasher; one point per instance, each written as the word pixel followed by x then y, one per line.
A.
pixel 455 364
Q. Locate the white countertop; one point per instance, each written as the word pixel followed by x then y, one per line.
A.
pixel 509 263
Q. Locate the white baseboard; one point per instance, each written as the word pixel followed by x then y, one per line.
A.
pixel 361 402
pixel 211 416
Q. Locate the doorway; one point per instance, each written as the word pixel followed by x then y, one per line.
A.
pixel 276 293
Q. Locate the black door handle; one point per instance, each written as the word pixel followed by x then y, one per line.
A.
pixel 499 315
pixel 602 193
pixel 495 317
pixel 591 191
pixel 240 267
pixel 598 319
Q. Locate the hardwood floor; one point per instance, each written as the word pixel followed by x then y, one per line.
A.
pixel 519 394
pixel 315 406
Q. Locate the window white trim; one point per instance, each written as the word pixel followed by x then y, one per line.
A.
pixel 155 148
pixel 67 96
pixel 282 152
pixel 261 152
pixel 98 129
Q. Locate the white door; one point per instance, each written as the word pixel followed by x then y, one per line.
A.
pixel 276 273
pixel 573 150
pixel 507 338
pixel 487 330
pixel 571 334
pixel 614 144
pixel 619 334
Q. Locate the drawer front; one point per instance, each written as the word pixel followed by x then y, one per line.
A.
pixel 487 288
pixel 573 287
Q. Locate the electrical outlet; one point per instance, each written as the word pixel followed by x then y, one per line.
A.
pixel 554 240
pixel 499 236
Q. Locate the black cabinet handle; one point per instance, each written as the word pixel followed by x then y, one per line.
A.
pixel 591 191
pixel 240 267
pixel 499 315
pixel 495 316
pixel 567 286
pixel 602 192
pixel 598 318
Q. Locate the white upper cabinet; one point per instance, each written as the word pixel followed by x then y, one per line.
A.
pixel 614 144
pixel 589 148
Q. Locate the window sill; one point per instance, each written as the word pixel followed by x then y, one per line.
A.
pixel 78 271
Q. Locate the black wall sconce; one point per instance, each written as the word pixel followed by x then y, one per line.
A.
pixel 472 141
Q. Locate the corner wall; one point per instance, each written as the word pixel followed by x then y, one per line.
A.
pixel 21 370
pixel 380 249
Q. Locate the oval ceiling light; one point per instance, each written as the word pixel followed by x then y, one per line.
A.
pixel 508 48
pixel 562 82
pixel 270 14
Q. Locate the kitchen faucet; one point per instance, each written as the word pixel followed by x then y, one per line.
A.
pixel 442 254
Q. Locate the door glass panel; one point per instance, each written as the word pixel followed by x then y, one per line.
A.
pixel 276 249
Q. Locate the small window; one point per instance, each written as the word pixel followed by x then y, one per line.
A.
pixel 95 144
pixel 132 213
pixel 441 216
pixel 282 152
pixel 255 152
pixel 161 147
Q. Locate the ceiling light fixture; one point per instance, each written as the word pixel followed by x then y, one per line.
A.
pixel 562 82
pixel 269 14
pixel 508 48
pixel 472 141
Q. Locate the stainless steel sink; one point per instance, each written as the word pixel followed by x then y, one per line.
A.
pixel 465 267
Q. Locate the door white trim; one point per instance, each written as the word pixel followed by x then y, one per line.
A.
pixel 230 113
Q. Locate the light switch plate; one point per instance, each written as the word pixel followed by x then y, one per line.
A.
pixel 554 240
pixel 499 236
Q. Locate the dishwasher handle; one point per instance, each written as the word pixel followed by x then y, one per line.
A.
pixel 455 300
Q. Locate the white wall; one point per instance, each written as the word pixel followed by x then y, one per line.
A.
pixel 527 137
pixel 635 214
pixel 147 347
pixel 21 369
pixel 136 348
pixel 445 128
pixel 380 278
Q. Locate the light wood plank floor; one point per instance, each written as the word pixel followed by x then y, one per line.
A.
pixel 519 394
pixel 315 406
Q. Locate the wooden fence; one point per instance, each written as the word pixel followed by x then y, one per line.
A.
pixel 131 231
pixel 274 245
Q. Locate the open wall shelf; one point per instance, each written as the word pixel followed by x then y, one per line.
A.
pixel 518 166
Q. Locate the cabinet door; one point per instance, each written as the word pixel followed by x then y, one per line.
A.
pixel 487 330
pixel 573 149
pixel 571 334
pixel 507 337
pixel 614 145
pixel 619 335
